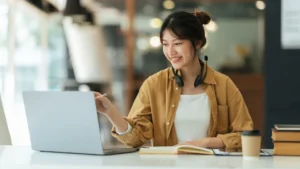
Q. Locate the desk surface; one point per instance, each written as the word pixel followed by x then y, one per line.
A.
pixel 23 157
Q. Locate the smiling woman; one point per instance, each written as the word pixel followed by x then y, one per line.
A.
pixel 182 37
pixel 188 106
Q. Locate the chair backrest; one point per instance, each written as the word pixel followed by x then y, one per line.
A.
pixel 4 133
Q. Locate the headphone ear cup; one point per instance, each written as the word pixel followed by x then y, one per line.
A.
pixel 198 81
pixel 179 81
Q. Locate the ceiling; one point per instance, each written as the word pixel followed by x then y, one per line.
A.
pixel 217 8
pixel 154 8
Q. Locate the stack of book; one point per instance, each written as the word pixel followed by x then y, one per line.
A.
pixel 286 139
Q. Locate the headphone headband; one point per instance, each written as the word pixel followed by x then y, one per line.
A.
pixel 199 79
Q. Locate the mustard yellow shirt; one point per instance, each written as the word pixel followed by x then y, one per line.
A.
pixel 153 111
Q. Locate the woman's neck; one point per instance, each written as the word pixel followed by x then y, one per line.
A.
pixel 191 71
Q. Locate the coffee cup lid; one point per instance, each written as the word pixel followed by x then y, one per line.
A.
pixel 251 133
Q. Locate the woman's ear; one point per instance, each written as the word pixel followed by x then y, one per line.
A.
pixel 198 44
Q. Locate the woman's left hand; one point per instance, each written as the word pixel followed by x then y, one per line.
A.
pixel 199 143
pixel 211 142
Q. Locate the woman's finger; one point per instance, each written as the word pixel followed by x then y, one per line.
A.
pixel 96 94
pixel 101 98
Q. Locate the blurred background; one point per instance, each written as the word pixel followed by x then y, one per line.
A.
pixel 112 46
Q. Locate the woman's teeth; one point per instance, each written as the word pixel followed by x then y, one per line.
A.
pixel 174 59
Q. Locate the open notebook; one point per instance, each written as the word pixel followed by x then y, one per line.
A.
pixel 180 149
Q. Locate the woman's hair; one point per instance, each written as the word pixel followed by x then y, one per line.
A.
pixel 186 25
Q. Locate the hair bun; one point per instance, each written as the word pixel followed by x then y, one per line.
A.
pixel 203 16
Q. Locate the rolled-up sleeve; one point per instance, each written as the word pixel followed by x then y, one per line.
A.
pixel 239 118
pixel 140 119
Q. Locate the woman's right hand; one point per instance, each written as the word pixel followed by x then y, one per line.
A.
pixel 103 104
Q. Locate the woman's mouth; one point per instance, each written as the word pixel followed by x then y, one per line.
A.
pixel 175 59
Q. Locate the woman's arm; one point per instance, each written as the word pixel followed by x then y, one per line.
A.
pixel 210 142
pixel 118 121
pixel 239 117
pixel 239 120
pixel 139 118
pixel 105 107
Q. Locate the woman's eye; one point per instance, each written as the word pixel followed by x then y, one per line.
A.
pixel 178 44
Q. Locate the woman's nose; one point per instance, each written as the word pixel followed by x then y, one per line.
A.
pixel 171 51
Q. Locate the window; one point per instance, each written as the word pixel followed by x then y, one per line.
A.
pixel 36 61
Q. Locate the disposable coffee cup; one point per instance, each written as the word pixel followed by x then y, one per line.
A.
pixel 251 143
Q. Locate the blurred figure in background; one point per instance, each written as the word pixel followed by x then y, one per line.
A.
pixel 89 61
pixel 241 63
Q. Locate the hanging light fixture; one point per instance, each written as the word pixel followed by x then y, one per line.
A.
pixel 73 7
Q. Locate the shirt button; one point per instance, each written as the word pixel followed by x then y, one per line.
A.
pixel 167 123
pixel 173 105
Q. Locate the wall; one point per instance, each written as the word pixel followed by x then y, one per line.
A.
pixel 281 75
pixel 229 33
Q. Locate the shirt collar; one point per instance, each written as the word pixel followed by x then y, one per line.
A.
pixel 209 79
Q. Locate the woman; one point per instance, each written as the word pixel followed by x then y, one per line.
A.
pixel 189 103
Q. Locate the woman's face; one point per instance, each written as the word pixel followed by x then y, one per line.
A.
pixel 180 52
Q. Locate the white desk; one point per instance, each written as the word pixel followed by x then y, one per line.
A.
pixel 18 157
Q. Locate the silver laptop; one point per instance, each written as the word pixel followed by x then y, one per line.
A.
pixel 66 122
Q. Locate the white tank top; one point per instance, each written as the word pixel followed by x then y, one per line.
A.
pixel 192 117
